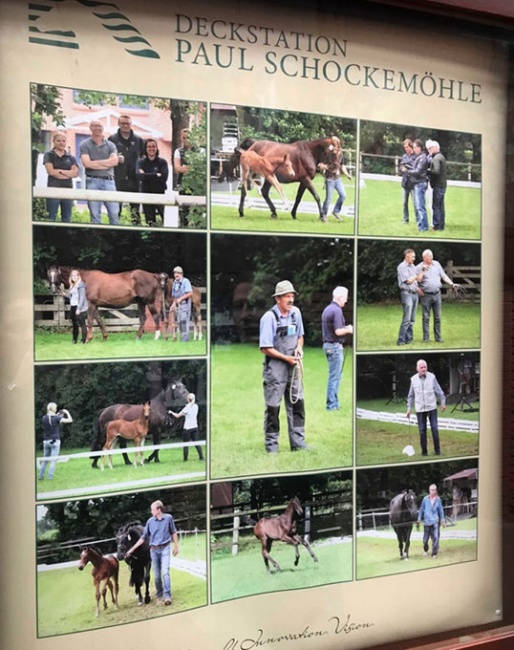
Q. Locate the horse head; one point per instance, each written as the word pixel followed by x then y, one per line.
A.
pixel 297 506
pixel 147 407
pixel 175 394
pixel 54 278
pixel 126 537
pixel 410 506
pixel 85 557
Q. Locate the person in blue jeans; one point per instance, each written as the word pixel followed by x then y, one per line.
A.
pixel 52 437
pixel 61 168
pixel 159 530
pixel 99 157
pixel 334 330
pixel 432 514
pixel 332 170
pixel 418 177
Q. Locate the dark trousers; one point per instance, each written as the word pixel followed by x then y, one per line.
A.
pixel 422 426
pixel 191 435
pixel 431 302
pixel 76 322
pixel 438 212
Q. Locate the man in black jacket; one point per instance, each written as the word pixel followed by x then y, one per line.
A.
pixel 130 149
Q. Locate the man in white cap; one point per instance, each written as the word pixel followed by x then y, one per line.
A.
pixel 281 341
pixel 181 293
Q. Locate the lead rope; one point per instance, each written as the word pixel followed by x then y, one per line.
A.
pixel 296 376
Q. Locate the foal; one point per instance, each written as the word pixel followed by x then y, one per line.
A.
pixel 104 568
pixel 135 430
pixel 253 163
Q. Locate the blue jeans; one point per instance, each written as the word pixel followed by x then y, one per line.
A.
pixel 331 185
pixel 50 450
pixel 334 354
pixel 422 426
pixel 438 212
pixel 52 205
pixel 431 302
pixel 406 194
pixel 431 532
pixel 95 207
pixel 419 205
pixel 161 571
pixel 409 304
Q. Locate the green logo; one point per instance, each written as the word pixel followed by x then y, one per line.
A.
pixel 111 19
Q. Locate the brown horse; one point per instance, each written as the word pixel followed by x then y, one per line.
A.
pixel 267 166
pixel 105 570
pixel 172 397
pixel 113 290
pixel 305 156
pixel 135 430
pixel 170 322
pixel 282 529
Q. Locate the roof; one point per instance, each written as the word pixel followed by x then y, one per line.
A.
pixel 471 474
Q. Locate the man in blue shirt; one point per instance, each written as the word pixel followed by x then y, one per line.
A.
pixel 159 530
pixel 281 341
pixel 432 514
pixel 334 330
pixel 408 279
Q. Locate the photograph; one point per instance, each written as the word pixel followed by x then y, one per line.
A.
pixel 308 160
pixel 415 180
pixel 423 294
pixel 91 418
pixel 106 561
pixel 281 335
pixel 411 518
pixel 101 157
pixel 397 395
pixel 104 293
pixel 256 523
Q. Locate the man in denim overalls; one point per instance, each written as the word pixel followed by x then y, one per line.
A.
pixel 281 341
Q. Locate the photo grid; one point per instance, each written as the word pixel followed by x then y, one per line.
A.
pixel 256 351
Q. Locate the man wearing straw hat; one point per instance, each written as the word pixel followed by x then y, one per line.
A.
pixel 281 341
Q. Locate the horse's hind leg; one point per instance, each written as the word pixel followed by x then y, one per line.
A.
pixel 97 595
pixel 267 557
pixel 142 319
pixel 265 193
pixel 156 319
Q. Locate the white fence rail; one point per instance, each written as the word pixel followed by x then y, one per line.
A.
pixel 170 197
pixel 447 424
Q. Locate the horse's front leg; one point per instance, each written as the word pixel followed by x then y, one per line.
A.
pixel 310 186
pixel 95 314
pixel 266 548
pixel 90 318
pixel 97 595
pixel 156 319
pixel 142 453
pixel 265 194
pixel 299 196
pixel 243 197
pixel 147 585
pixel 308 547
pixel 114 595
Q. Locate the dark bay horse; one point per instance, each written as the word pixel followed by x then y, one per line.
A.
pixel 139 562
pixel 169 319
pixel 282 529
pixel 114 290
pixel 105 570
pixel 403 513
pixel 305 156
pixel 135 430
pixel 173 396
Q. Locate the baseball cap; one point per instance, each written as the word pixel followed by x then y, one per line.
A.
pixel 284 287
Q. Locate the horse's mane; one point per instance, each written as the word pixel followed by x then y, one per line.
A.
pixel 126 527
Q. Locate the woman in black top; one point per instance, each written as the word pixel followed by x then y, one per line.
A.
pixel 152 171
pixel 61 167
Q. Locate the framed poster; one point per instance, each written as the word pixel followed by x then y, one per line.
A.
pixel 228 223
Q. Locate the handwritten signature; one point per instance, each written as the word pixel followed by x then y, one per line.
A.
pixel 335 625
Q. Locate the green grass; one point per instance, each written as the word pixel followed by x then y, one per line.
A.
pixel 237 437
pixel 383 442
pixel 244 574
pixel 57 346
pixel 378 325
pixel 381 212
pixel 227 218
pixel 76 474
pixel 66 600
pixel 380 557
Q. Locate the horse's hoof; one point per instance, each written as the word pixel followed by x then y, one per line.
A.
pixel 274 215
pixel 241 216
pixel 157 335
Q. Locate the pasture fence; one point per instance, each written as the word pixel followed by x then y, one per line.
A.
pixel 51 312
pixel 375 519
pixel 333 518
pixel 447 424
pixel 389 165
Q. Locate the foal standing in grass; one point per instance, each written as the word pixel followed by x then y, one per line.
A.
pixel 135 430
